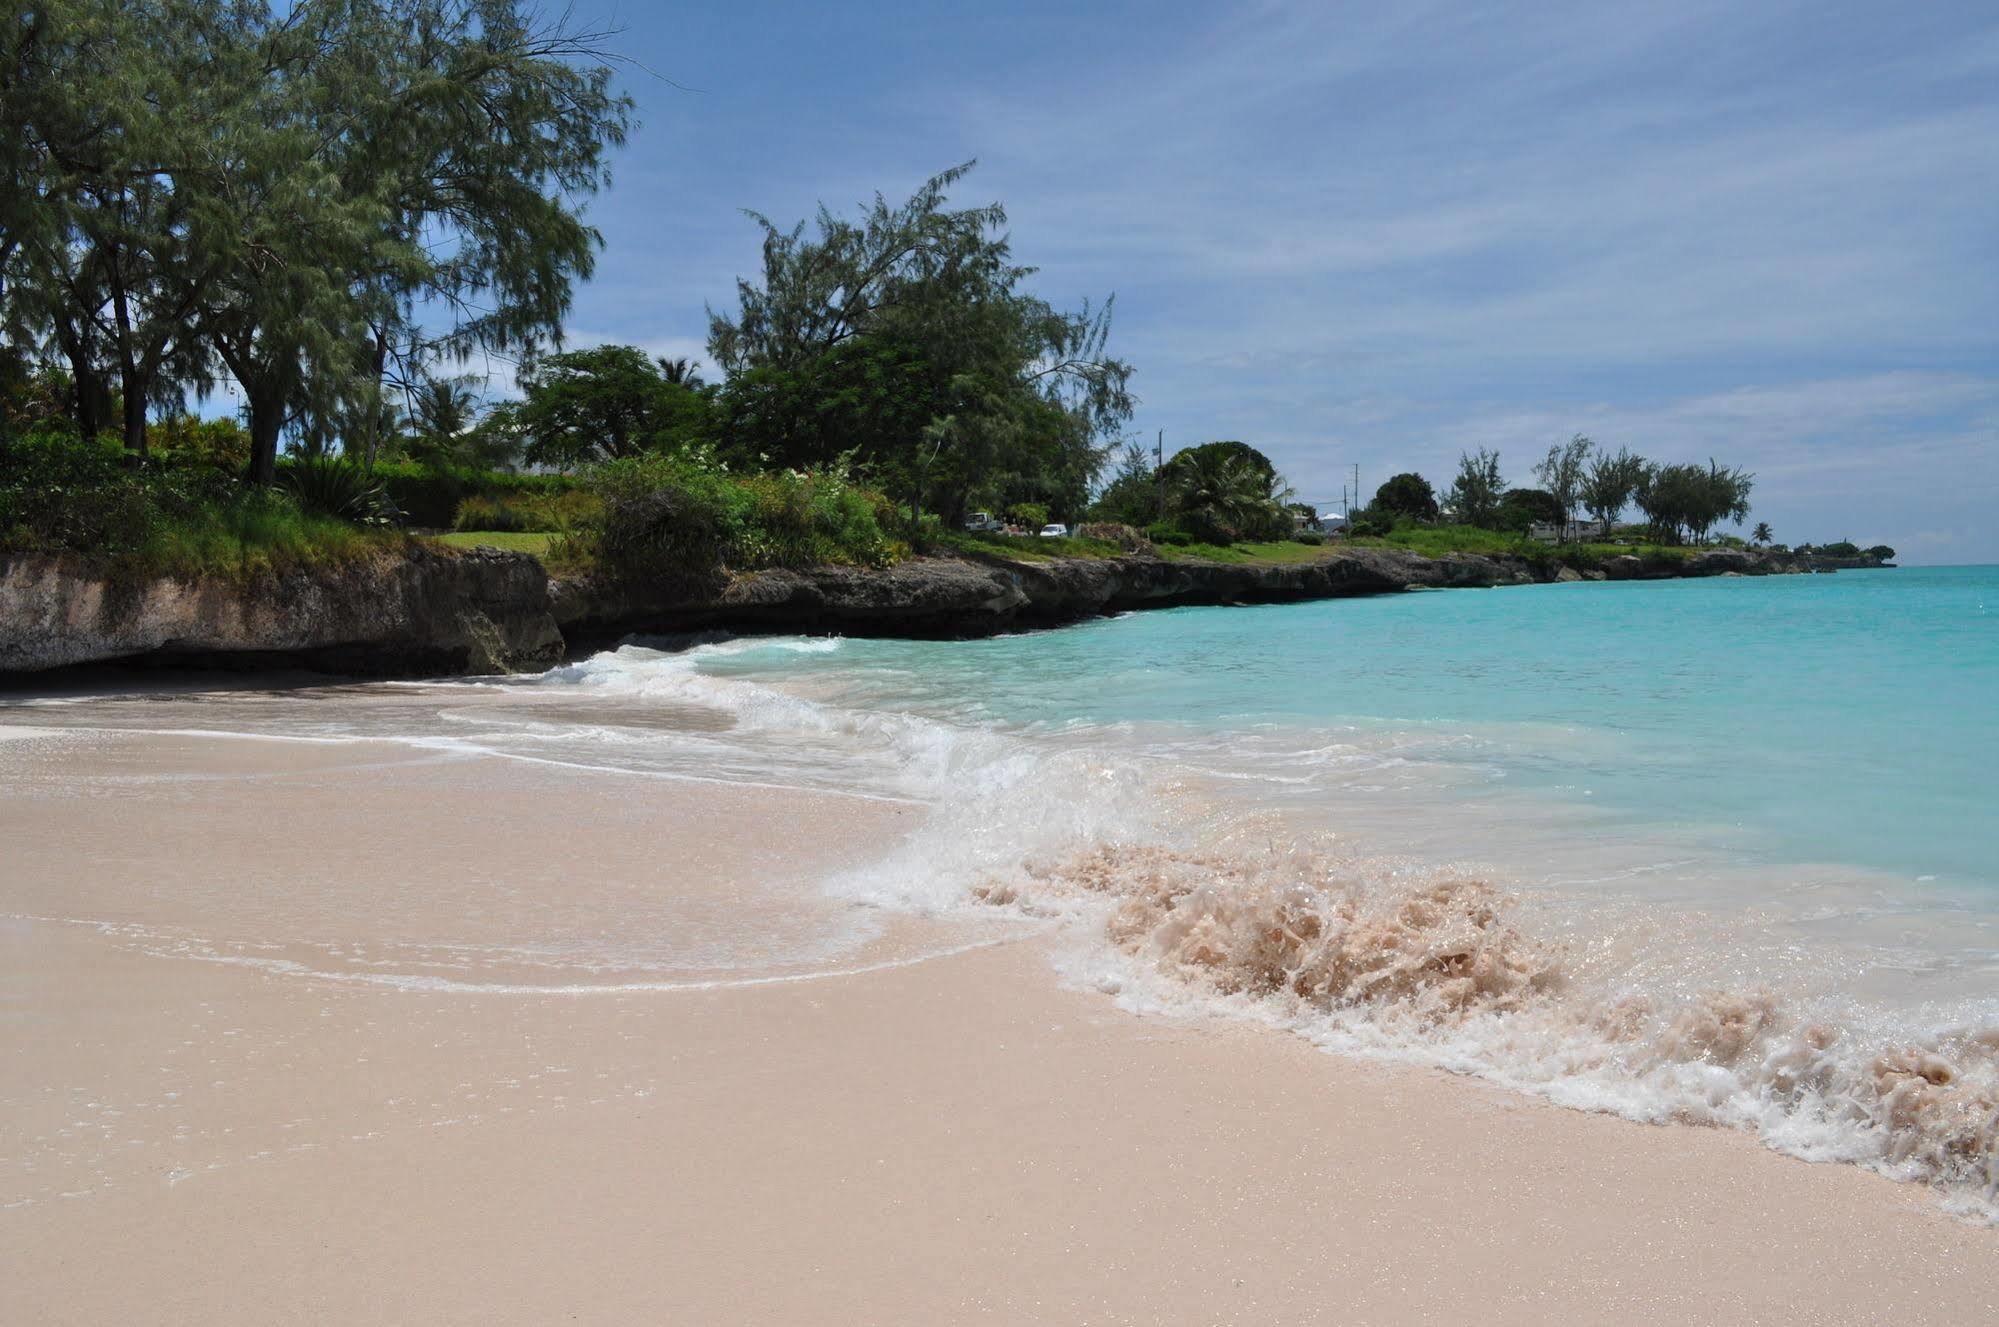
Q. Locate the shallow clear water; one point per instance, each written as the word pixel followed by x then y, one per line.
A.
pixel 1849 718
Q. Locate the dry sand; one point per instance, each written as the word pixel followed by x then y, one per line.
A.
pixel 946 1140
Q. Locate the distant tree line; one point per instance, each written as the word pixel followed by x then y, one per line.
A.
pixel 1679 501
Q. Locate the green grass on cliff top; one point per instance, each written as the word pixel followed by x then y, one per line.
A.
pixel 1441 540
pixel 1275 552
pixel 536 542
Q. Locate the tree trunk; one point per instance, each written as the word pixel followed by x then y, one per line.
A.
pixel 267 417
pixel 376 410
pixel 129 376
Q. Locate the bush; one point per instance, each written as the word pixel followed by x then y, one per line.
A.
pixel 1160 532
pixel 428 496
pixel 1845 548
pixel 664 517
pixel 149 517
pixel 1033 515
pixel 1371 524
pixel 549 513
pixel 328 486
pixel 1308 537
pixel 1114 532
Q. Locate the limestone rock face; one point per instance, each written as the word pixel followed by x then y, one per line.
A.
pixel 424 611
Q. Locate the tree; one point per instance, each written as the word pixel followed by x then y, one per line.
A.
pixel 1610 484
pixel 1761 534
pixel 1475 495
pixel 602 404
pixel 1134 495
pixel 1563 470
pixel 681 370
pixel 1407 495
pixel 1681 500
pixel 947 376
pixel 1226 491
pixel 292 190
pixel 1523 508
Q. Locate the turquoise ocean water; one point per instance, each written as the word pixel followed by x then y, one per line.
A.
pixel 1846 718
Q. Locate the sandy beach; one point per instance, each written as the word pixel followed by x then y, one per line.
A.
pixel 274 1053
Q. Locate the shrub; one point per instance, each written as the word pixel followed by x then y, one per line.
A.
pixel 1308 537
pixel 428 496
pixel 1160 532
pixel 668 516
pixel 1113 532
pixel 1368 523
pixel 550 513
pixel 145 517
pixel 329 486
pixel 1033 515
pixel 1845 548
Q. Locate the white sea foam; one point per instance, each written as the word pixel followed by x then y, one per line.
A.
pixel 1193 899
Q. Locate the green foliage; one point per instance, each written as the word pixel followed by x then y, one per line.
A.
pixel 287 188
pixel 669 516
pixel 428 496
pixel 1475 494
pixel 1881 553
pixel 1523 507
pixel 1682 500
pixel 540 543
pixel 526 511
pixel 1407 495
pixel 1170 535
pixel 904 336
pixel 603 404
pixel 1032 515
pixel 329 486
pixel 1565 470
pixel 1610 484
pixel 1366 523
pixel 1132 497
pixel 1844 548
pixel 150 517
pixel 184 439
pixel 1223 492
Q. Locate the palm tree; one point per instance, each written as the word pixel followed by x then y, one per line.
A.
pixel 682 370
pixel 1227 496
pixel 1761 534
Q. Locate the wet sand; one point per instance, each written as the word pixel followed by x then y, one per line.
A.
pixel 212 1108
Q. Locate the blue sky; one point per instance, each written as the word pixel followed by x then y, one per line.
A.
pixel 1385 233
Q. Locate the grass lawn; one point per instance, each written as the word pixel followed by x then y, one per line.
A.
pixel 1028 548
pixel 1277 551
pixel 1438 540
pixel 513 541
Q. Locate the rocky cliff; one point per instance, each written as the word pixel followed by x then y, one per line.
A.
pixel 423 612
pixel 432 611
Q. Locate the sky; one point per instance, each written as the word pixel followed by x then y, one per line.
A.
pixel 1382 235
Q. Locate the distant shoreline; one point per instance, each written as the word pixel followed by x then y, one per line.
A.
pixel 429 611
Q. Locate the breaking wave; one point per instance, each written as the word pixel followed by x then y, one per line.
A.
pixel 1184 895
pixel 1432 968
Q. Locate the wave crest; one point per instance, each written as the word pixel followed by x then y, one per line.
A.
pixel 1431 967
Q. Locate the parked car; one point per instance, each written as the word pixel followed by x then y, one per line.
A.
pixel 980 522
pixel 1054 531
